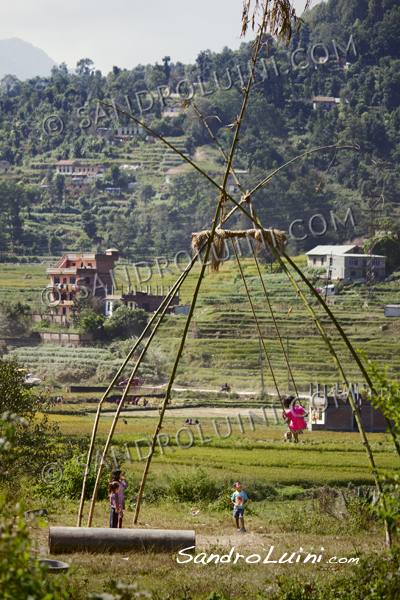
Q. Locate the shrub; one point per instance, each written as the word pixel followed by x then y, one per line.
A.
pixel 20 577
pixel 377 577
pixel 14 318
pixel 91 323
pixel 70 482
pixel 125 323
pixel 192 485
pixel 35 441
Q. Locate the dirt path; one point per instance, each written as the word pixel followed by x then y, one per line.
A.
pixel 188 389
pixel 205 412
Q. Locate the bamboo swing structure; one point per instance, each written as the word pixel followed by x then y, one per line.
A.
pixel 212 241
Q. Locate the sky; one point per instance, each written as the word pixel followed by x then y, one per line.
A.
pixel 126 32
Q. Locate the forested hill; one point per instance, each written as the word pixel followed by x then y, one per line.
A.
pixel 45 213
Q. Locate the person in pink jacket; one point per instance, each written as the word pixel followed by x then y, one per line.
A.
pixel 294 417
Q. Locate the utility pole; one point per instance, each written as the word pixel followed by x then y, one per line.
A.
pixel 374 200
pixel 261 366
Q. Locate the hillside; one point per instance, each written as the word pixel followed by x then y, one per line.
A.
pixel 52 215
pixel 336 83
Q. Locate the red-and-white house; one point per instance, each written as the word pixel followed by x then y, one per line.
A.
pixel 93 274
pixel 80 273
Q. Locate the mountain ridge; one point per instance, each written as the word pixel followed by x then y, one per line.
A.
pixel 23 59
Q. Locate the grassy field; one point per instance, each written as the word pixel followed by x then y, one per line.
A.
pixel 295 507
pixel 321 458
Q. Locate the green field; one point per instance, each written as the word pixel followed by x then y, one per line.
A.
pixel 321 458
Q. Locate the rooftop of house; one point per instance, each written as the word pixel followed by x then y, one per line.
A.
pixel 73 162
pixel 363 255
pixel 68 162
pixel 110 254
pixel 331 250
pixel 325 99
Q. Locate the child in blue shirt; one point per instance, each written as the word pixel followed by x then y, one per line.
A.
pixel 239 499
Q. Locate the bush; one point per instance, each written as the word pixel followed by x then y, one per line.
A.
pixel 91 323
pixel 14 319
pixel 125 323
pixel 70 482
pixel 20 576
pixel 35 442
pixel 377 577
pixel 192 485
pixel 323 514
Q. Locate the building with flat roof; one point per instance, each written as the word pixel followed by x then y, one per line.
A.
pixel 82 273
pixel 93 274
pixel 137 298
pixel 347 262
pixel 74 168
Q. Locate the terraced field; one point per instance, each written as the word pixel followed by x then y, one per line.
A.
pixel 223 342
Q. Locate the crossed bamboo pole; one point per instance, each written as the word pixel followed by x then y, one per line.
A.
pixel 354 409
pixel 219 209
pixel 239 205
pixel 350 347
pixel 162 309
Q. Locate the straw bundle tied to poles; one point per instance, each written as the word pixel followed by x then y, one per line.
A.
pixel 273 237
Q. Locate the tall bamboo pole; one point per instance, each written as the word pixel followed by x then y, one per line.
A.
pixel 105 396
pixel 350 347
pixel 197 289
pixel 175 287
pixel 221 150
pixel 175 366
pixel 354 409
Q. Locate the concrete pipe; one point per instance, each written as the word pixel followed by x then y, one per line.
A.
pixel 96 539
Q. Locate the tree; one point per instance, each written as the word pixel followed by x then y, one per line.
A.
pixel 20 576
pixel 204 62
pixel 126 322
pixel 84 66
pixel 9 84
pixel 146 193
pixel 86 307
pixel 12 199
pixel 59 181
pixel 89 224
pixel 14 318
pixel 35 444
pixel 53 245
pixel 386 242
pixel 91 323
pixel 156 76
pixel 115 175
pixel 167 69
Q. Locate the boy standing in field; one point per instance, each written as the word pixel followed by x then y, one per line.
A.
pixel 239 499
